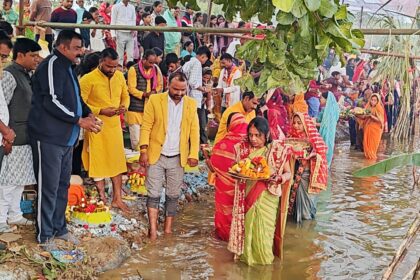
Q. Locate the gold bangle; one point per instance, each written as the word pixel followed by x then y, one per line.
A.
pixel 143 150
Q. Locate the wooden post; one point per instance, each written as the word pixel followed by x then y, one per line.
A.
pixel 20 29
pixel 209 13
pixel 402 250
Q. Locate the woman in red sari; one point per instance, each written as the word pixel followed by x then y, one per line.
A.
pixel 223 157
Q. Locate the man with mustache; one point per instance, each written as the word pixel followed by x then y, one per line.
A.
pixel 105 92
pixel 56 116
pixel 17 167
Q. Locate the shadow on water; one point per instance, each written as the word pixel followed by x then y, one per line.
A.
pixel 360 224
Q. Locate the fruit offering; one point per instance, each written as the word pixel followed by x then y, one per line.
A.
pixel 360 111
pixel 136 182
pixel 346 114
pixel 257 168
pixel 91 212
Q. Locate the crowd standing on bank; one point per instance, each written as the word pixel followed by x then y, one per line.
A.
pixel 66 112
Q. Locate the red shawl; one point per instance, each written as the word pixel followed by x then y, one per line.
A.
pixel 102 12
pixel 223 157
pixel 318 164
pixel 281 117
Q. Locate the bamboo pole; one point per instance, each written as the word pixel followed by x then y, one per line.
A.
pixel 407 31
pixel 60 25
pixel 388 54
pixel 201 29
pixel 402 250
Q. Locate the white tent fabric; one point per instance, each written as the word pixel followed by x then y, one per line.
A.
pixel 407 7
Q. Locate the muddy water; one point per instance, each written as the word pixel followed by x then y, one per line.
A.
pixel 360 223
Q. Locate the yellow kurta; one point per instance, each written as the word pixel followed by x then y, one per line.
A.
pixel 137 117
pixel 103 153
pixel 235 108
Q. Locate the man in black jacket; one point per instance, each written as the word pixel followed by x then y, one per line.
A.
pixel 56 116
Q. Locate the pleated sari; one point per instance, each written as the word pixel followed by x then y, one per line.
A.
pixel 258 216
pixel 223 157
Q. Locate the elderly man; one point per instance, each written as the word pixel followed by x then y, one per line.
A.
pixel 105 92
pixel 169 140
pixel 56 116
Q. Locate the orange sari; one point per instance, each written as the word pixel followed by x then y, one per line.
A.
pixel 373 129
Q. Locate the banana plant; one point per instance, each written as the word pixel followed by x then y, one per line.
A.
pixel 389 164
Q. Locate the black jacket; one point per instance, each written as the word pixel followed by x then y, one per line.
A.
pixel 56 102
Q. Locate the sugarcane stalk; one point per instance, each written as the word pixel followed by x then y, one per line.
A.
pixel 402 250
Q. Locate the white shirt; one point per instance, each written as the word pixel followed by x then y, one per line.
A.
pixel 173 132
pixel 194 72
pixel 234 90
pixel 4 112
pixel 123 15
pixel 97 43
pixel 232 47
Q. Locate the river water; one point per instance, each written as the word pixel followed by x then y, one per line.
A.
pixel 359 225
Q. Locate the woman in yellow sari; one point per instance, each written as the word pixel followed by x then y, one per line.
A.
pixel 258 216
pixel 373 126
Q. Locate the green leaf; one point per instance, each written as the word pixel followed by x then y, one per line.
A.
pixel 265 12
pixel 299 9
pixel 313 5
pixel 285 18
pixel 304 26
pixel 327 8
pixel 341 13
pixel 387 165
pixel 284 5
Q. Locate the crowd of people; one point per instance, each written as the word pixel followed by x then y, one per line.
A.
pixel 66 113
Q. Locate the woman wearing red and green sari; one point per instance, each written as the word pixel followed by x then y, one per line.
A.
pixel 311 174
pixel 258 214
pixel 222 158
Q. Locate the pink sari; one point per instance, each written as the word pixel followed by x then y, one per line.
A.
pixel 223 157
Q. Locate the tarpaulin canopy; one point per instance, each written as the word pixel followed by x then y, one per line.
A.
pixel 406 7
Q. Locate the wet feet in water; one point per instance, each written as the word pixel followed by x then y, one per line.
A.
pixel 153 235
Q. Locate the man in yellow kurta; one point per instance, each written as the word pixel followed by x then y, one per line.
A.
pixel 246 107
pixel 105 91
pixel 144 79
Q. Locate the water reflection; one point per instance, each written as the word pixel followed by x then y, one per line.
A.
pixel 360 223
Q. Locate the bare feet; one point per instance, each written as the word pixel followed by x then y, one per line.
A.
pixel 152 235
pixel 102 195
pixel 120 205
pixel 168 225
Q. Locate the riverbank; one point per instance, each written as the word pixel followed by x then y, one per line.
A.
pixel 102 248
